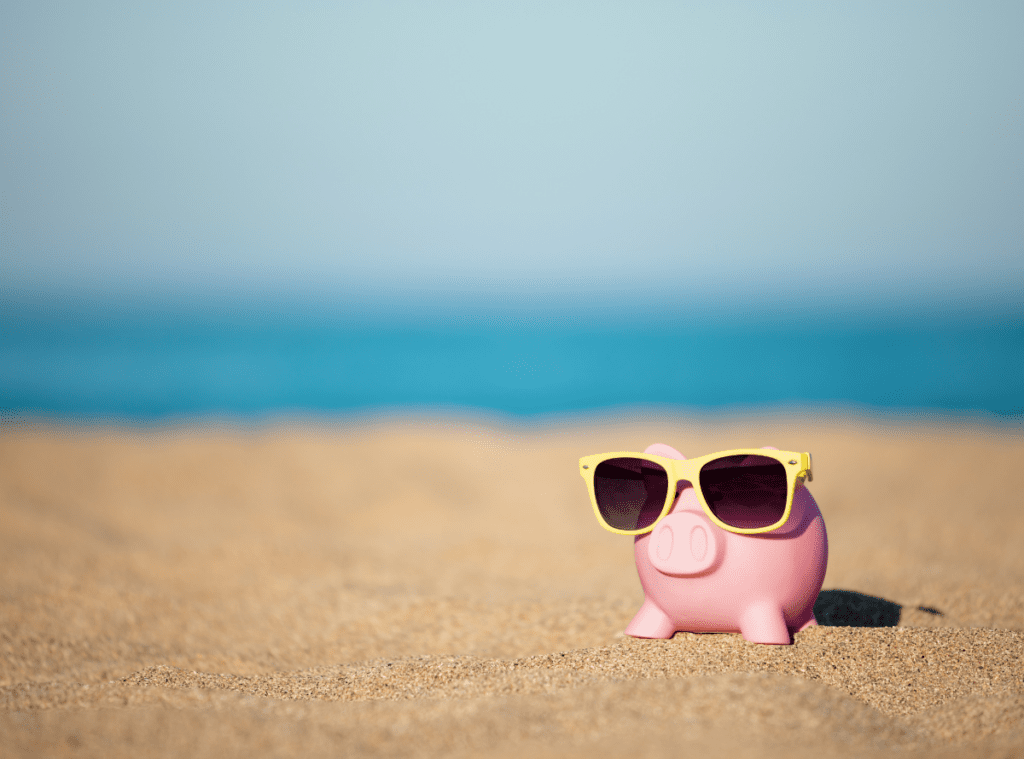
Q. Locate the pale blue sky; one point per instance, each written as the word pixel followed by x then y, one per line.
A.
pixel 673 152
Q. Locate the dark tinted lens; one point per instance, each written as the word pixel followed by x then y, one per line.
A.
pixel 630 492
pixel 745 491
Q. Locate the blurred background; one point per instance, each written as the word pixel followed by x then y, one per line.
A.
pixel 524 209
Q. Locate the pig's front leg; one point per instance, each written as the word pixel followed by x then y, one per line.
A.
pixel 650 622
pixel 764 622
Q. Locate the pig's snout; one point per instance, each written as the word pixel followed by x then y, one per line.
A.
pixel 683 543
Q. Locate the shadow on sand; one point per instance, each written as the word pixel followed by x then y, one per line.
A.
pixel 846 608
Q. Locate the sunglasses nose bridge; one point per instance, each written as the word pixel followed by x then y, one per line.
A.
pixel 686 497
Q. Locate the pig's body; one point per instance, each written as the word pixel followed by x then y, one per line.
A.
pixel 698 577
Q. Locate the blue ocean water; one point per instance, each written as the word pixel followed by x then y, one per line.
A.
pixel 148 366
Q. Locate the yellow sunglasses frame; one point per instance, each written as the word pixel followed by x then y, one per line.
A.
pixel 797 466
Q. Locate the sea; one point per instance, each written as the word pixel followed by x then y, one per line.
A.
pixel 143 365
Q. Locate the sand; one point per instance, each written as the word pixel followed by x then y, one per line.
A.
pixel 416 587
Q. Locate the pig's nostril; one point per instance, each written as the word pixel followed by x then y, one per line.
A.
pixel 698 543
pixel 664 547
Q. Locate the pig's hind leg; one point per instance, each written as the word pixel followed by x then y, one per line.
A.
pixel 764 622
pixel 650 622
pixel 804 621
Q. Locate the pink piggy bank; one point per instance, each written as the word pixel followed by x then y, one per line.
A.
pixel 698 577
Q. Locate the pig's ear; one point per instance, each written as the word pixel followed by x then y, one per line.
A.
pixel 660 449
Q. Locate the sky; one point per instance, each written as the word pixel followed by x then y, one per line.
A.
pixel 633 154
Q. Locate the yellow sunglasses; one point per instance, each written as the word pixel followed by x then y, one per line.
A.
pixel 745 490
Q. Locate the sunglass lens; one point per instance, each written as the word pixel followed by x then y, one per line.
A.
pixel 745 491
pixel 630 492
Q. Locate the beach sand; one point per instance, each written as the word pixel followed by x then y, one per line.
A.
pixel 415 587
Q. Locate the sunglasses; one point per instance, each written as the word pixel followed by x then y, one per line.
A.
pixel 747 490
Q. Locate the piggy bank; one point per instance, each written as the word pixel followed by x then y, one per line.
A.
pixel 698 577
